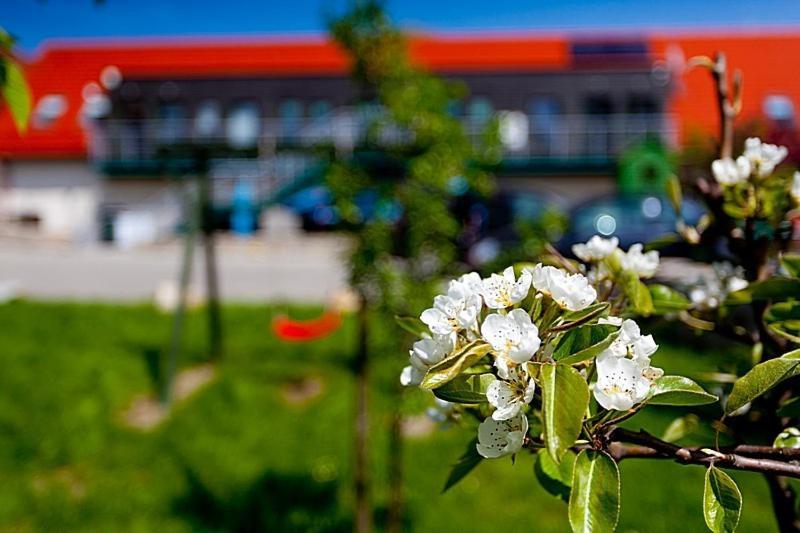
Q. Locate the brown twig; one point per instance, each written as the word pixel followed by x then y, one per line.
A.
pixel 626 444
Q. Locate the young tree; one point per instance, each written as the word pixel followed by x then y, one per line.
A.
pixel 549 359
pixel 14 90
pixel 393 193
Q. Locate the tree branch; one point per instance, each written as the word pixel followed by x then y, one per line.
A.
pixel 626 444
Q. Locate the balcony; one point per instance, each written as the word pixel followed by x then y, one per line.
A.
pixel 282 146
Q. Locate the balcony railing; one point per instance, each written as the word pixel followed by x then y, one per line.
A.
pixel 533 137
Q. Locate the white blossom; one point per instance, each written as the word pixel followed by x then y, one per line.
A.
pixel 795 190
pixel 508 397
pixel 424 354
pixel 711 290
pixel 729 172
pixel 610 320
pixel 513 338
pixel 456 310
pixel 631 343
pixel 570 291
pixel 643 264
pixel 501 291
pixel 497 438
pixel 596 249
pixel 621 383
pixel 624 374
pixel 763 157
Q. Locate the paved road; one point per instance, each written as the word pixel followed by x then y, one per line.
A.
pixel 303 268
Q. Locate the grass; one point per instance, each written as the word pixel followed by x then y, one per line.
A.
pixel 238 456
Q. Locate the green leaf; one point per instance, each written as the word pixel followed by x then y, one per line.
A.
pixel 448 368
pixel 16 93
pixel 678 390
pixel 584 343
pixel 565 398
pixel 594 499
pixel 722 501
pixel 788 438
pixel 637 293
pixel 761 378
pixel 667 300
pixel 681 427
pixel 577 318
pixel 555 478
pixel 465 389
pixel 791 408
pixel 778 289
pixel 791 263
pixel 464 466
pixel 674 193
pixel 412 324
pixel 784 319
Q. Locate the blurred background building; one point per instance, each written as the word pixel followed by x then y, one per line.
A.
pixel 107 139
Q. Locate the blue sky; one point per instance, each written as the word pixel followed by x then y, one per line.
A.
pixel 34 21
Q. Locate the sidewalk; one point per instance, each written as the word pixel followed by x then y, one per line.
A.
pixel 306 268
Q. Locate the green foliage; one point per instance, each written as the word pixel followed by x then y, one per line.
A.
pixel 427 149
pixel 584 343
pixel 464 466
pixel 667 300
pixel 448 368
pixel 555 478
pixel 565 399
pixel 784 319
pixel 16 94
pixel 678 390
pixel 465 389
pixel 412 324
pixel 239 451
pixel 788 438
pixel 638 294
pixel 722 501
pixel 761 378
pixel 594 500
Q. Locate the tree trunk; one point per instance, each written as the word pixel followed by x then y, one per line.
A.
pixel 212 285
pixel 395 519
pixel 783 497
pixel 361 371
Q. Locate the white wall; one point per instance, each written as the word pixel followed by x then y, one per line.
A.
pixel 63 195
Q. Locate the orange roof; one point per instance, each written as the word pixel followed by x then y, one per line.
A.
pixel 66 67
pixel 769 63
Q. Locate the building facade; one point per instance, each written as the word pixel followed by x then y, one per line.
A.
pixel 92 164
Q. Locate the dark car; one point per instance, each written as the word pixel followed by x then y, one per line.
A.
pixel 315 206
pixel 630 218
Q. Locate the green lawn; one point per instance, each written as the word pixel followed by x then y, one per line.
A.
pixel 239 456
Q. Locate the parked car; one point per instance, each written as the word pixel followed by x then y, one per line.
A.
pixel 492 226
pixel 630 218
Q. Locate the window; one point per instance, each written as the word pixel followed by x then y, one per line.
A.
pixel 548 131
pixel 243 125
pixel 597 134
pixel 172 122
pixel 480 109
pixel 290 113
pixel 641 104
pixel 208 119
pixel 319 109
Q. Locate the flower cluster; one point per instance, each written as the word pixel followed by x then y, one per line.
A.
pixel 710 291
pixel 606 257
pixel 759 160
pixel 624 374
pixel 503 328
